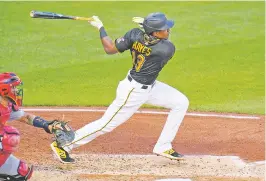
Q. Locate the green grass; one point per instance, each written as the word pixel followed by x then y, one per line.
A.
pixel 219 62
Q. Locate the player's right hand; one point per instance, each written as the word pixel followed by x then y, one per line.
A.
pixel 96 22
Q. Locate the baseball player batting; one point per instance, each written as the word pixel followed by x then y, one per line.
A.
pixel 150 50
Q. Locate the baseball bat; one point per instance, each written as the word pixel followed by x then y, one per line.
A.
pixel 51 15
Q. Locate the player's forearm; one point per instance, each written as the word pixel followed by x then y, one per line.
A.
pixel 27 118
pixel 107 42
pixel 35 121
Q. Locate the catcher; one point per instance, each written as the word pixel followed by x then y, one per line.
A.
pixel 11 96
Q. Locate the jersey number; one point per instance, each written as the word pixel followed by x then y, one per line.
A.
pixel 138 60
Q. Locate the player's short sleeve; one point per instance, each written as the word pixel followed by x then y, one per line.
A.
pixel 16 115
pixel 125 42
pixel 168 51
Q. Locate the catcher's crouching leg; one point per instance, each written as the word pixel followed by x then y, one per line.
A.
pixel 15 170
pixel 11 168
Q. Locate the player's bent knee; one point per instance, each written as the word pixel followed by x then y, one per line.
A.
pixel 185 102
pixel 181 102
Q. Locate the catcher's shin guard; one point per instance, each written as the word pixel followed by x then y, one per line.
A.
pixel 24 173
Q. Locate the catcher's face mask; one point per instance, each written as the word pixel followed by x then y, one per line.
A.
pixel 18 94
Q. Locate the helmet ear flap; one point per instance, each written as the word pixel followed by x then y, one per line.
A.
pixel 148 29
pixel 4 90
pixel 156 22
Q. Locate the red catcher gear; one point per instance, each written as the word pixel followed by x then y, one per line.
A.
pixel 9 141
pixel 11 87
pixel 24 171
pixel 5 112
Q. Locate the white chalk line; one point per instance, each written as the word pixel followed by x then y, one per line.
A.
pixel 139 112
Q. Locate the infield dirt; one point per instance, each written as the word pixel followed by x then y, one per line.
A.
pixel 126 153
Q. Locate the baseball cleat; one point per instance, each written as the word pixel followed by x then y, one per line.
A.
pixel 61 154
pixel 172 154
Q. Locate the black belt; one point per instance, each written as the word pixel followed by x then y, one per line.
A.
pixel 143 87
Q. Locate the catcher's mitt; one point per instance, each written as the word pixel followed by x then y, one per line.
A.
pixel 62 132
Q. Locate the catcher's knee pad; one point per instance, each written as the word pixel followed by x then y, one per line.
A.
pixel 10 139
pixel 22 173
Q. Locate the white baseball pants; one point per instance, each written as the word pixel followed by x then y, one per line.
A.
pixel 130 96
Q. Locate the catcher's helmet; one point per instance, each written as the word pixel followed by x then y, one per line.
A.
pixel 11 87
pixel 156 22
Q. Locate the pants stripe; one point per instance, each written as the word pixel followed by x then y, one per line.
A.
pixel 105 124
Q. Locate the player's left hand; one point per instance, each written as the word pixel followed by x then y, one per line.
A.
pixel 96 22
pixel 138 20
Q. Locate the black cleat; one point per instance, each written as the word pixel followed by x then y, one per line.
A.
pixel 172 154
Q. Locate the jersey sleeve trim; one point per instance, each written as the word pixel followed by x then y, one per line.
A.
pixel 117 48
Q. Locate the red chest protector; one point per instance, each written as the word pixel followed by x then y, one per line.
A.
pixel 5 113
pixel 9 136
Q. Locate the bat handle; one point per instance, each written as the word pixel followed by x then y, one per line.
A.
pixel 83 18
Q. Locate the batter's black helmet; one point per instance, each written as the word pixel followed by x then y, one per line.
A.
pixel 156 22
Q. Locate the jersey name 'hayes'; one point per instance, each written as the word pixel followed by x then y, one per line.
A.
pixel 149 55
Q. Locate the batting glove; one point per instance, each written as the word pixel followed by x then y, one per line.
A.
pixel 96 22
pixel 138 20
